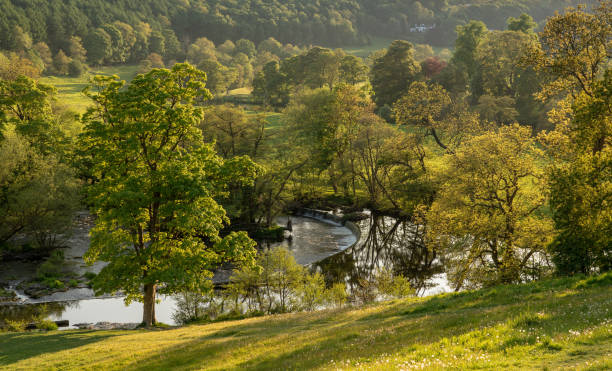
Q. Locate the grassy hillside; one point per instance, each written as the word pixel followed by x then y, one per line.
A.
pixel 545 325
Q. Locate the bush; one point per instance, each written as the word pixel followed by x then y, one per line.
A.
pixel 52 267
pixel 53 283
pixel 274 233
pixel 46 325
pixel 39 193
pixel 192 307
pixel 14 326
pixel 393 286
pixel 336 295
pixel 311 292
pixel 76 68
pixel 90 275
pixel 73 283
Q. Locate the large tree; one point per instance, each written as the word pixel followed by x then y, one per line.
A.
pixel 464 57
pixel 158 222
pixel 393 72
pixel 488 217
pixel 574 51
pixel 430 108
pixel 582 187
pixel 574 47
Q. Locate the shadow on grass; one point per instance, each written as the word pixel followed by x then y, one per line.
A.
pixel 15 347
pixel 306 341
pixel 333 335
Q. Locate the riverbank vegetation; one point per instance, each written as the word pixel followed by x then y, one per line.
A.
pixel 562 323
pixel 498 154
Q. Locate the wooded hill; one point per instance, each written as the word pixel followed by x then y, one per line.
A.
pixel 323 22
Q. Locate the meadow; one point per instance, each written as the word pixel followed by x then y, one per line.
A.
pixel 561 323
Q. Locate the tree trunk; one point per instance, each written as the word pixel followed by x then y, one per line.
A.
pixel 148 314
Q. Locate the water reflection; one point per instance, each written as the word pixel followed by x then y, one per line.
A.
pixel 314 240
pixel 389 243
pixel 32 312
pixel 110 309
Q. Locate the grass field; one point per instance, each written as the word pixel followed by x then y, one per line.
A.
pixel 69 89
pixel 545 325
pixel 376 43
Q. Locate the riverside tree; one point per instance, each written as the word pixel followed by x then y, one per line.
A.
pixel 488 217
pixel 157 219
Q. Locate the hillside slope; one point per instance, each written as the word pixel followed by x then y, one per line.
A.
pixel 302 22
pixel 552 324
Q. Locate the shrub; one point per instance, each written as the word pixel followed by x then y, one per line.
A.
pixel 395 286
pixel 73 283
pixel 336 295
pixel 192 307
pixel 311 291
pixel 53 283
pixel 52 267
pixel 46 325
pixel 75 68
pixel 90 275
pixel 14 326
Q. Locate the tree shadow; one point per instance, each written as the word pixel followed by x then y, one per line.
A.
pixel 343 335
pixel 330 331
pixel 15 347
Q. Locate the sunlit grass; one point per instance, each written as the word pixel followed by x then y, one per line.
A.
pixel 376 43
pixel 70 89
pixel 553 324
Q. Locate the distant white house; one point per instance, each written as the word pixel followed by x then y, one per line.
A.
pixel 422 27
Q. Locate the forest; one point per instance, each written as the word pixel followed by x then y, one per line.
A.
pixel 329 23
pixel 498 151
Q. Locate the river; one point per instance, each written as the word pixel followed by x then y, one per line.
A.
pixel 336 251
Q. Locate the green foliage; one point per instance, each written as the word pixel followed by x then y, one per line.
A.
pixel 38 194
pixel 158 222
pixel 316 68
pixel 464 57
pixel 524 24
pixel 98 45
pixel 279 284
pixel 191 307
pixel 52 268
pixel 337 295
pixel 46 325
pixel 395 286
pixel 581 191
pixel 333 23
pixel 76 68
pixel 270 87
pixel 14 326
pixel 487 218
pixel 393 72
pixel 603 280
pixel 311 291
pixel 573 49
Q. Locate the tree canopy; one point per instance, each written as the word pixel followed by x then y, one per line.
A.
pixel 158 221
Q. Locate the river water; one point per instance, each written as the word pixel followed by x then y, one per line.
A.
pixel 323 245
pixel 387 243
pixel 312 240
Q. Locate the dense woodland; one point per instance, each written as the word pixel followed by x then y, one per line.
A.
pixel 500 150
pixel 328 22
